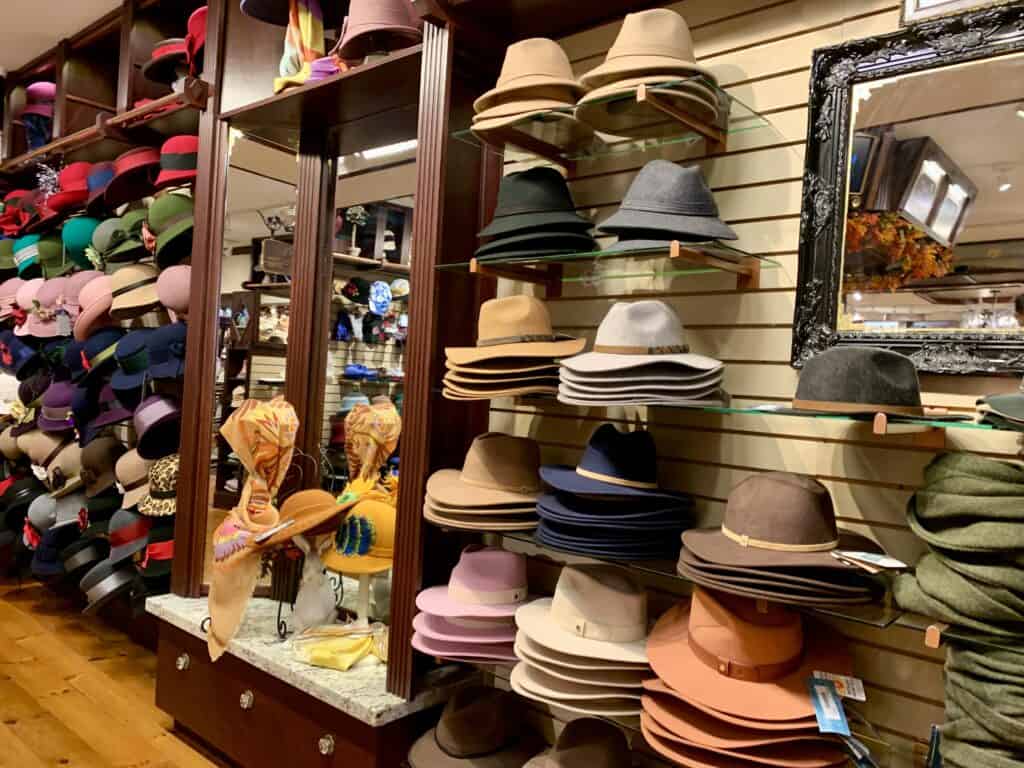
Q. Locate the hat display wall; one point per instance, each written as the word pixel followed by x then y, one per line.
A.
pixel 859 380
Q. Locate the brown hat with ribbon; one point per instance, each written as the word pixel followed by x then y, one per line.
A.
pixel 133 476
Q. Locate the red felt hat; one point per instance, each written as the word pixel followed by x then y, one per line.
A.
pixel 134 174
pixel 195 40
pixel 74 187
pixel 11 219
pixel 178 161
pixel 168 55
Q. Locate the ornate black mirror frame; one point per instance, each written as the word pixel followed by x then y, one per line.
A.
pixel 973 36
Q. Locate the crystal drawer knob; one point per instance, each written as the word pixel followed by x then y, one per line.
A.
pixel 245 700
pixel 183 662
pixel 326 745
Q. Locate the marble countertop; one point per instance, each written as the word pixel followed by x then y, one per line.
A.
pixel 360 692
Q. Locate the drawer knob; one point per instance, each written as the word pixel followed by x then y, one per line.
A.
pixel 326 745
pixel 183 662
pixel 245 700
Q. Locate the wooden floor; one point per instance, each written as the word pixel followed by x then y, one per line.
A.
pixel 74 692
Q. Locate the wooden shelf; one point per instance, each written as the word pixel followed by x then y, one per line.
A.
pixel 377 102
pixel 361 264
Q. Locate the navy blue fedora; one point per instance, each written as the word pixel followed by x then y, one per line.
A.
pixel 613 464
pixel 655 548
pixel 73 360
pixel 17 357
pixel 98 353
pixel 167 351
pixel 132 355
pixel 570 510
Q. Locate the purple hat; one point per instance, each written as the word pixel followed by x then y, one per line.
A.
pixel 55 413
pixel 321 69
pixel 486 583
pixel 91 413
pixel 158 426
pixel 40 97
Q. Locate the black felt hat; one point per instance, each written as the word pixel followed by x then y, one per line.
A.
pixel 859 380
pixel 532 199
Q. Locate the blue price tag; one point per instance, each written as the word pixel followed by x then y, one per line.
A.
pixel 828 707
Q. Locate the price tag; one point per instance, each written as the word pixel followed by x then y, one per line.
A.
pixel 847 687
pixel 870 558
pixel 828 707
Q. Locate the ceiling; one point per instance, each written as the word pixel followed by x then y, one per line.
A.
pixel 32 27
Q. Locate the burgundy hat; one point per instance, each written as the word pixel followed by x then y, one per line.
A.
pixel 134 174
pixel 40 97
pixel 158 426
pixel 167 58
pixel 195 40
pixel 372 24
pixel 73 181
pixel 178 161
pixel 486 583
pixel 173 288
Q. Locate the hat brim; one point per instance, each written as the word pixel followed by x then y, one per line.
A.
pixel 175 178
pixel 703 390
pixel 546 240
pixel 674 225
pixel 612 678
pixel 127 381
pixel 119 586
pixel 765 589
pixel 494 382
pixel 172 369
pixel 714 400
pixel 786 698
pixel 135 303
pixel 174 244
pixel 534 220
pixel 102 482
pixel 66 201
pixel 129 250
pixel 535 349
pixel 447 487
pixel 570 661
pixel 565 478
pixel 1010 407
pixel 515 509
pixel 436 602
pixel 163 69
pixel 477 522
pixel 655 548
pixel 534 620
pixel 113 416
pixel 606 525
pixel 456 392
pixel 96 315
pixel 550 686
pixel 622 67
pixel 712 545
pixel 360 565
pixel 308 521
pixel 647 375
pixel 134 496
pixel 437 628
pixel 525 85
pixel 505 367
pixel 544 103
pixel 523 683
pixel 603 362
pixel 855 582
pixel 161 439
pixel 125 551
pixel 496 652
pixel 151 507
pixel 133 184
pixel 659 688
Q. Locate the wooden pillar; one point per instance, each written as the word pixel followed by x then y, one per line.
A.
pixel 125 65
pixel 60 103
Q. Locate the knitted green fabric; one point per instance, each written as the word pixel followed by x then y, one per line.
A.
pixel 910 597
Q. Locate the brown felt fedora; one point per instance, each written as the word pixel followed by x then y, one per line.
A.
pixel 744 657
pixel 515 326
pixel 530 65
pixel 776 519
pixel 586 743
pixel 659 688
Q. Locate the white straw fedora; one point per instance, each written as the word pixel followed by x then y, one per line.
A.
pixel 571 661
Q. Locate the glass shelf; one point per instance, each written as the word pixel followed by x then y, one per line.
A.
pixel 551 135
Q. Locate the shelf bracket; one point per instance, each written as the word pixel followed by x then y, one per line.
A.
pixel 933 438
pixel 550 277
pixel 715 136
pixel 538 147
pixel 747 270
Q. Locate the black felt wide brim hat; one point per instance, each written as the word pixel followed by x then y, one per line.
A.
pixel 557 241
pixel 276 11
pixel 859 380
pixel 532 199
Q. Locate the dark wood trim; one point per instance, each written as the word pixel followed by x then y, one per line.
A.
pixel 201 354
pixel 8 124
pixel 125 67
pixel 60 103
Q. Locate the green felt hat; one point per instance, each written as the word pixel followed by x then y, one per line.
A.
pixel 171 221
pixel 131 247
pixel 51 256
pixel 7 254
pixel 77 236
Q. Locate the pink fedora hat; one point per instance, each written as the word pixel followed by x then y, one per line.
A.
pixel 463 651
pixel 94 300
pixel 487 583
pixel 173 288
pixel 42 320
pixel 374 25
pixel 24 298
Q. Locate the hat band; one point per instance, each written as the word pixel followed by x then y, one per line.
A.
pixel 675 209
pixel 528 337
pixel 132 287
pixel 614 480
pixel 129 533
pixel 108 585
pixel 162 550
pixel 748 673
pixel 102 357
pixel 56 452
pixel 524 489
pixel 463 594
pixel 668 349
pixel 163 495
pixel 596 630
pixel 745 541
pixel 183 161
pixel 25 254
pixel 137 484
pixel 85 556
pixel 135 363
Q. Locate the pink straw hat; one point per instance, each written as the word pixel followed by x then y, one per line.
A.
pixel 487 583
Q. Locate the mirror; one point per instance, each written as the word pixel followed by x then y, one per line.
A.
pixel 913 235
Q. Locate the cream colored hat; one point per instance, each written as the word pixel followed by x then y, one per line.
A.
pixel 529 64
pixel 132 472
pixel 499 470
pixel 657 40
pixel 597 611
pixel 9 445
pixel 133 291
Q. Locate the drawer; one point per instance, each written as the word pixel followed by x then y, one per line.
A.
pixel 257 720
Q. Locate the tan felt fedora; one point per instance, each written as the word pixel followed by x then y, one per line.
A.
pixel 660 688
pixel 453 394
pixel 597 611
pixel 497 510
pixel 571 661
pixel 515 326
pixel 555 97
pixel 503 368
pixel 531 63
pixel 549 378
pixel 657 40
pixel 477 522
pixel 745 657
pixel 610 678
pixel 133 291
pixel 776 519
pixel 499 469
pixel 523 683
pixel 587 742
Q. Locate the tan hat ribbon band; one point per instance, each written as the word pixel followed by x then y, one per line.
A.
pixel 613 480
pixel 745 541
pixel 750 673
pixel 670 349
pixel 523 339
pixel 523 489
pixel 133 286
pixel 594 630
pixel 463 594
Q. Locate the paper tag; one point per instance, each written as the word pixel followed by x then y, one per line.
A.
pixel 847 687
pixel 828 707
pixel 871 558
pixel 271 531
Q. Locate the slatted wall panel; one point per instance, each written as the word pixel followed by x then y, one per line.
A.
pixel 761 53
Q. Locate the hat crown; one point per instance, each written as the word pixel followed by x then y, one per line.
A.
pixel 534 190
pixel 131 468
pixel 780 509
pixel 729 631
pixel 104 233
pixel 641 326
pixel 863 375
pixel 167 209
pixel 664 187
pixel 51 290
pixel 163 474
pixel 503 462
pixel 42 512
pixel 78 232
pixel 488 576
pixel 600 603
pixel 657 32
pixel 512 319
pixel 534 56
pixel 100 176
pixel 101 454
pixel 478 722
pixel 590 743
pixel 624 458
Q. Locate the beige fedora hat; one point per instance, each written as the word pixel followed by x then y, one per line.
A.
pixel 515 326
pixel 133 291
pixel 550 657
pixel 549 686
pixel 478 522
pixel 657 40
pixel 539 387
pixel 597 611
pixel 529 64
pixel 610 678
pixel 499 470
pixel 497 510
pixel 524 682
pixel 473 381
pixel 500 369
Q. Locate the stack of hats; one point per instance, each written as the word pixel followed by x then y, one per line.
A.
pixel 653 48
pixel 585 649
pixel 779 541
pixel 1003 411
pixel 535 216
pixel 667 202
pixel 969 511
pixel 610 505
pixel 472 618
pixel 536 93
pixel 731 685
pixel 640 357
pixel 516 353
pixel 496 489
